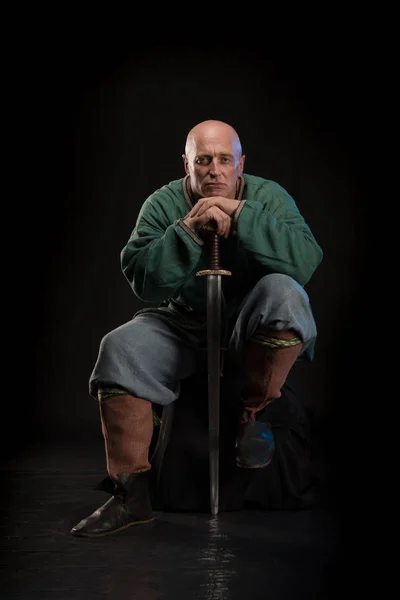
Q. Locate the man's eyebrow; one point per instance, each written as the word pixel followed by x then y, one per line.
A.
pixel 205 155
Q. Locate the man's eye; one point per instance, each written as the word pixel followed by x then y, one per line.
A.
pixel 202 160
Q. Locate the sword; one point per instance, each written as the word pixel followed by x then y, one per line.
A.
pixel 214 297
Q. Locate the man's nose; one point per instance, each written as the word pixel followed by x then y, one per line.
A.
pixel 215 168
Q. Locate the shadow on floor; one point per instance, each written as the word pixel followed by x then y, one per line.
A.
pixel 253 554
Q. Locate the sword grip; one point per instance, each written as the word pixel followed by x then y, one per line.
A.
pixel 212 249
pixel 214 256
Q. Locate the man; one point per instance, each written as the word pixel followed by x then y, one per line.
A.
pixel 268 323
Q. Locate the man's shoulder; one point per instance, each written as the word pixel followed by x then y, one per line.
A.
pixel 268 192
pixel 255 184
pixel 166 195
pixel 167 202
pixel 174 188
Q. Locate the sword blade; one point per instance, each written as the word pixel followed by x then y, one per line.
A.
pixel 214 368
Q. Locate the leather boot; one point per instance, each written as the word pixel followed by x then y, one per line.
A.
pixel 127 426
pixel 269 356
pixel 129 505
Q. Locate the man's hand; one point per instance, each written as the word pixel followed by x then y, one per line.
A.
pixel 215 211
pixel 227 205
pixel 212 218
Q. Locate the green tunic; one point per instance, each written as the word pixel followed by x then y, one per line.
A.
pixel 162 256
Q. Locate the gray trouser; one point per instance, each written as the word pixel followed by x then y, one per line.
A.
pixel 150 355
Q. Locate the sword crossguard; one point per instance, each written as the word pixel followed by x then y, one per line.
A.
pixel 213 272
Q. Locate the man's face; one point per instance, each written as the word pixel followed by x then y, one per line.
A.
pixel 214 166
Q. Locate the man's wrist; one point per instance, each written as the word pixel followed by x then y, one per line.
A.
pixel 236 214
pixel 189 223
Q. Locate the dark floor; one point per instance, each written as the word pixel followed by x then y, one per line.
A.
pixel 237 555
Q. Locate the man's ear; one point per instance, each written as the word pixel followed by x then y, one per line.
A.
pixel 241 164
pixel 185 164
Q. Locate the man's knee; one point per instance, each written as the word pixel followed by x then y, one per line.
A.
pixel 279 286
pixel 109 342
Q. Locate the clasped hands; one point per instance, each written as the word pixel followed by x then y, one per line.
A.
pixel 216 211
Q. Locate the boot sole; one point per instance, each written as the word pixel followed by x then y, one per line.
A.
pixel 79 534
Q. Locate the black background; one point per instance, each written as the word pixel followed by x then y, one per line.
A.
pixel 103 123
pixel 97 108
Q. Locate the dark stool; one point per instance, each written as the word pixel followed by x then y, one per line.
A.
pixel 180 459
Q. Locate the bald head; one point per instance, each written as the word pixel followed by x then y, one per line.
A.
pixel 207 131
pixel 213 159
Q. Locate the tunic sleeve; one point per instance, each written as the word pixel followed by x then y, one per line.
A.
pixel 276 236
pixel 162 252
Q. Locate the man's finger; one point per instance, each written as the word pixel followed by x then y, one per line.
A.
pixel 214 219
pixel 204 206
pixel 198 207
pixel 193 212
pixel 209 203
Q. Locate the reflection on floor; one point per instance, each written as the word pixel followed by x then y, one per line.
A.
pixel 237 555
